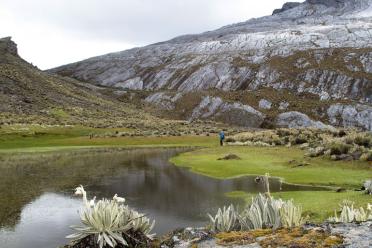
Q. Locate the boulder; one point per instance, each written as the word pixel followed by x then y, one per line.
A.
pixel 351 116
pixel 295 119
pixel 232 113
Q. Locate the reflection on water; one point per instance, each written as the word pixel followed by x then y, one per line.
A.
pixel 43 223
pixel 31 216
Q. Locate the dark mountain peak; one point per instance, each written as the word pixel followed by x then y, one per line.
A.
pixel 286 6
pixel 329 3
pixel 8 46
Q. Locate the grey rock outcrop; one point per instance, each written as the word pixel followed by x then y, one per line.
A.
pixel 233 113
pixel 163 100
pixel 355 235
pixel 351 116
pixel 297 120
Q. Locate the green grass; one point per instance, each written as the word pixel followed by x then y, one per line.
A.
pixel 275 160
pixel 34 138
pixel 318 205
pixel 59 113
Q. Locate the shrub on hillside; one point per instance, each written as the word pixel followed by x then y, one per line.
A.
pixel 300 140
pixel 366 156
pixel 339 148
pixel 365 141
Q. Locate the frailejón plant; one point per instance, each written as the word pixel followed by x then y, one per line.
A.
pixel 350 214
pixel 225 220
pixel 108 220
pixel 263 212
pixel 291 215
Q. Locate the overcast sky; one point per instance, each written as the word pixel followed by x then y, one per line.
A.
pixel 50 33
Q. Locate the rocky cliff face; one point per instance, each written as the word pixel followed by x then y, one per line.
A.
pixel 319 47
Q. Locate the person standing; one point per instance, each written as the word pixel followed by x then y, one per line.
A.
pixel 222 137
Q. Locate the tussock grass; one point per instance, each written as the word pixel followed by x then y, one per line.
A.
pixel 348 144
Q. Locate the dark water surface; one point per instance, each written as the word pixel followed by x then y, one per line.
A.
pixel 37 206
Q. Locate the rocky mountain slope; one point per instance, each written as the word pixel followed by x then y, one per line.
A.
pixel 28 95
pixel 308 62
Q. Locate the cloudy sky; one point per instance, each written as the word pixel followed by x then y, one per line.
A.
pixel 50 33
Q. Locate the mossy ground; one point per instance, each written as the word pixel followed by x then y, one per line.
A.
pixel 275 160
pixel 297 237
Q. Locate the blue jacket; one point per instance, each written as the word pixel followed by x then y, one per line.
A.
pixel 222 135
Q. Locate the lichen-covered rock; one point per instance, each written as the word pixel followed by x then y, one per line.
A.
pixel 351 116
pixel 232 113
pixel 355 235
pixel 295 119
pixel 264 104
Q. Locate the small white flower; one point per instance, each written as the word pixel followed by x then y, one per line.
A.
pixel 118 199
pixel 92 202
pixel 80 190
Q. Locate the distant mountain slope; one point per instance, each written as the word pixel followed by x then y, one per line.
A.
pixel 30 95
pixel 318 49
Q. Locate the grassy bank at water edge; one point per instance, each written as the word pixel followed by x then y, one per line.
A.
pixel 283 162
